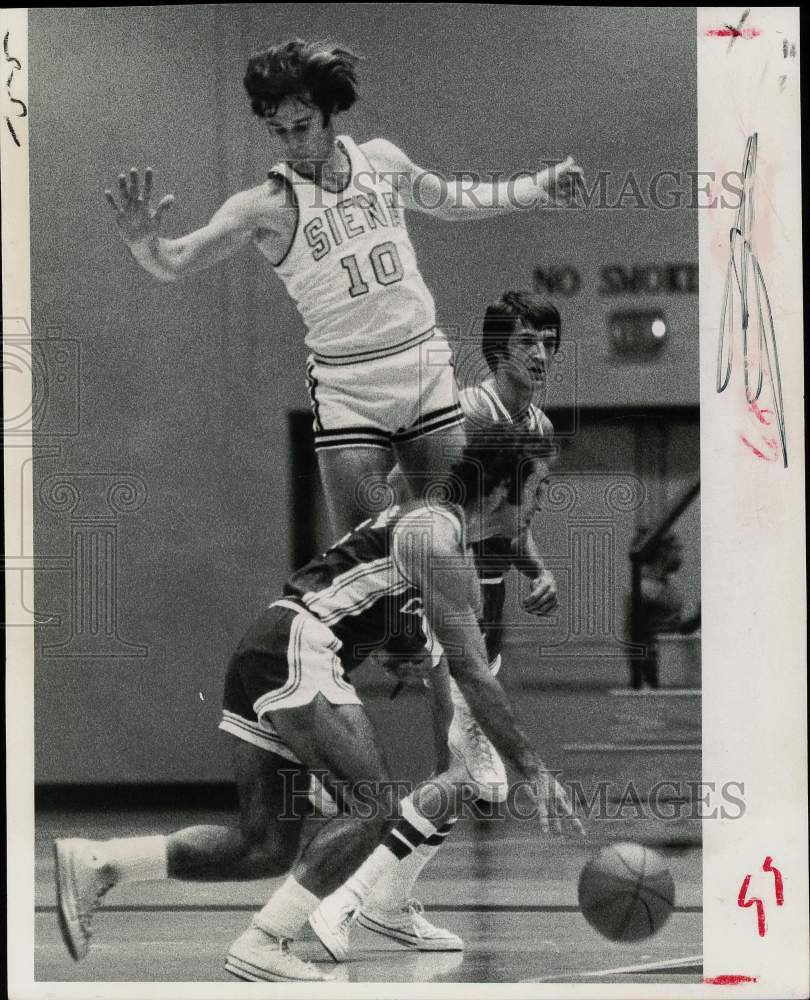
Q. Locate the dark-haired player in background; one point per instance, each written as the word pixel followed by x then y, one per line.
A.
pixel 329 221
pixel 521 331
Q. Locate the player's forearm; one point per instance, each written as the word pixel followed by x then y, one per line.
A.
pixel 161 258
pixel 526 555
pixel 489 704
pixel 469 199
pixel 441 711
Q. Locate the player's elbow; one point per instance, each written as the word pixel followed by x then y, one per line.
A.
pixel 449 211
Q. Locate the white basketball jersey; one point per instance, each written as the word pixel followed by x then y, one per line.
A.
pixel 482 405
pixel 351 269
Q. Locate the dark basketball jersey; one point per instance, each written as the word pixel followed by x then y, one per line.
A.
pixel 358 591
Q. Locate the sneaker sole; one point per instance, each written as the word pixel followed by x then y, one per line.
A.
pixel 327 938
pixel 414 942
pixel 255 974
pixel 69 926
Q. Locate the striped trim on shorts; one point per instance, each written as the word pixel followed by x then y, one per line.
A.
pixel 286 658
pixel 386 399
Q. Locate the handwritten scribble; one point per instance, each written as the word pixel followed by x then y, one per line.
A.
pixel 744 272
pixel 729 980
pixel 744 902
pixel 732 34
pixel 778 882
pixel 9 57
pixel 16 65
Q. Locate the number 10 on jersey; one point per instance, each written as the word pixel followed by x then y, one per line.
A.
pixel 385 264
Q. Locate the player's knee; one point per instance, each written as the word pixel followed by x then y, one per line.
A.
pixel 270 855
pixel 268 849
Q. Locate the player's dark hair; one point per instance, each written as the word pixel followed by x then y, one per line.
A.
pixel 499 454
pixel 502 317
pixel 317 72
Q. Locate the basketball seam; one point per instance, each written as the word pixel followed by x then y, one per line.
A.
pixel 649 915
pixel 636 875
pixel 637 896
pixel 628 916
pixel 658 895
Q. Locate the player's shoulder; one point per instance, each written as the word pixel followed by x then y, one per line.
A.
pixel 541 421
pixel 254 202
pixel 438 526
pixel 474 407
pixel 476 404
pixel 384 154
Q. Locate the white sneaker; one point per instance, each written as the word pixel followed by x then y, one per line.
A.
pixel 332 922
pixel 472 749
pixel 81 882
pixel 409 926
pixel 260 957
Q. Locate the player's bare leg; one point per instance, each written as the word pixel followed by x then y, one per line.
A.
pixel 262 846
pixel 340 739
pixel 401 918
pixel 467 771
pixel 425 462
pixel 354 484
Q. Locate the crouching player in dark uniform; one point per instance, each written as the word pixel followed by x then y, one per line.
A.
pixel 290 708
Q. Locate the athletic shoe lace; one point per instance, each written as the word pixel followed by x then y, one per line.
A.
pixel 294 960
pixel 478 738
pixel 415 911
pixel 85 916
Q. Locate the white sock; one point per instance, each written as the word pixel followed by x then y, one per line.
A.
pixel 360 884
pixel 133 859
pixel 286 912
pixel 386 861
pixel 395 887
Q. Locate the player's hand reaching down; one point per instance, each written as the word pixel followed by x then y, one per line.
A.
pixel 135 217
pixel 542 599
pixel 558 185
pixel 552 805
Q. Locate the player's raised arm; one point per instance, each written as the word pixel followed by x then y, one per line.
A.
pixel 230 228
pixel 467 197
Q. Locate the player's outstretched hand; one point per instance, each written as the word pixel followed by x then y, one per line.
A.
pixel 136 220
pixel 554 808
pixel 542 599
pixel 559 184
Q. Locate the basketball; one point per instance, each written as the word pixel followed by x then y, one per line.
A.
pixel 626 892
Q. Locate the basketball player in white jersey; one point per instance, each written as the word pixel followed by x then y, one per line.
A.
pixel 329 220
pixel 289 706
pixel 520 333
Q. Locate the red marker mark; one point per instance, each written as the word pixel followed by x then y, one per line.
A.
pixel 729 32
pixel 771 442
pixel 761 414
pixel 778 887
pixel 754 901
pixel 729 980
